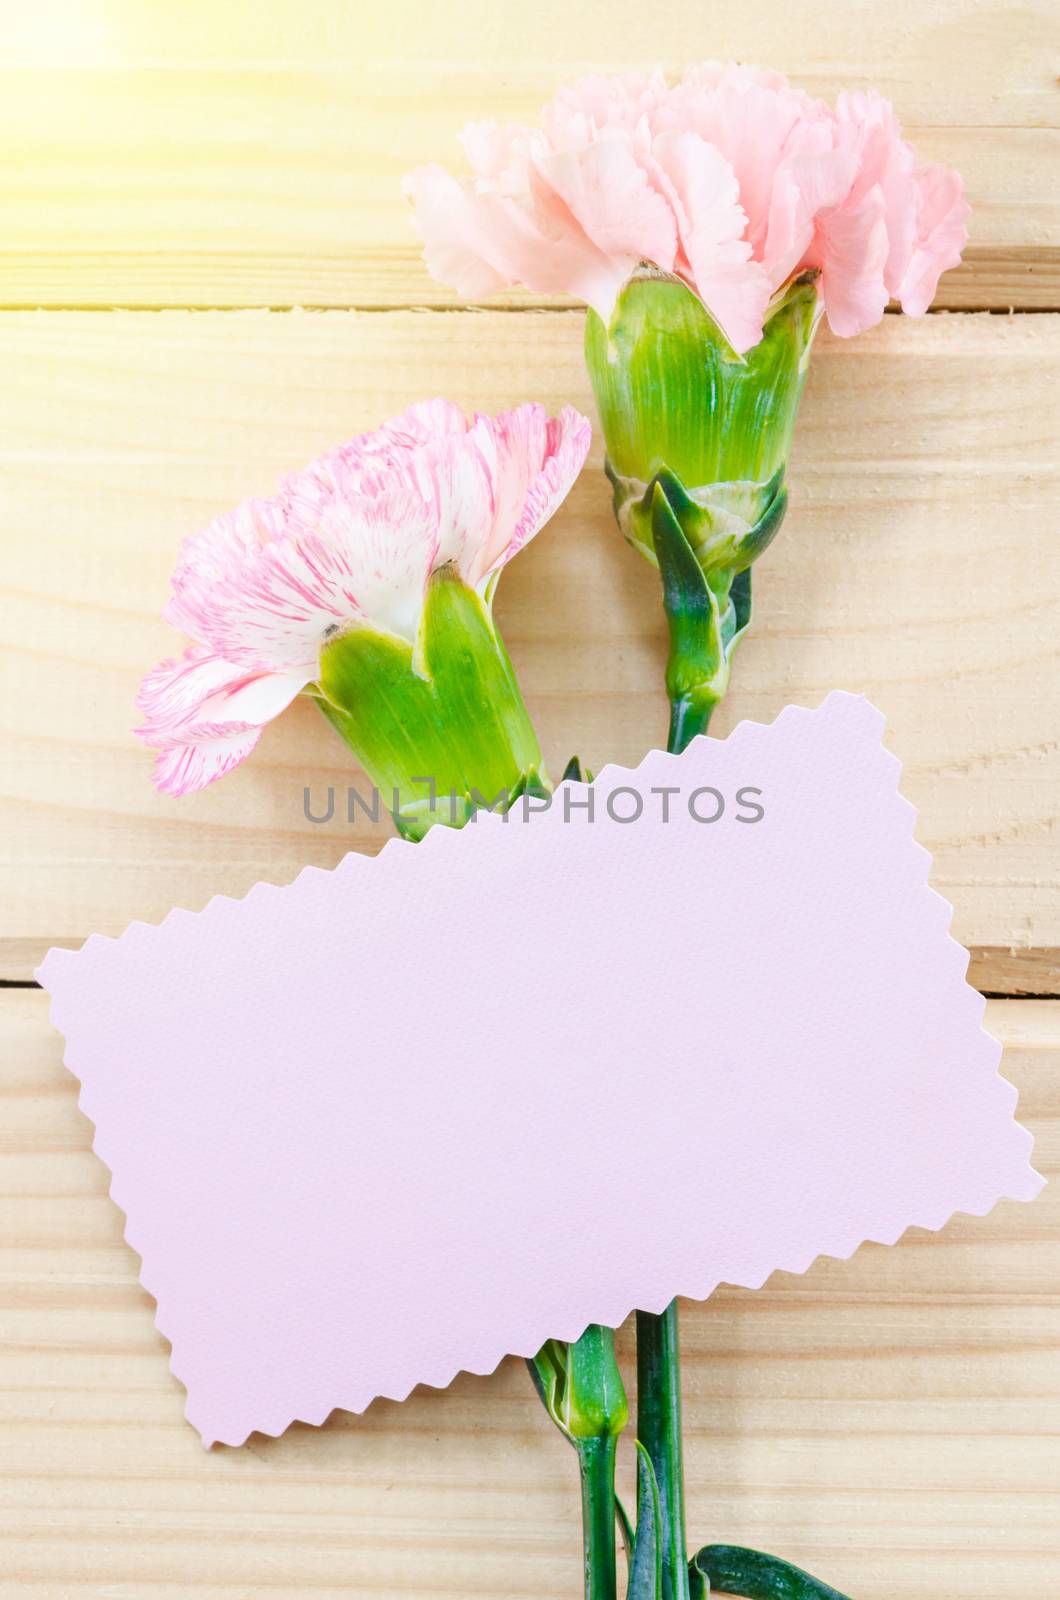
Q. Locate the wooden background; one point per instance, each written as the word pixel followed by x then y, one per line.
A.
pixel 206 276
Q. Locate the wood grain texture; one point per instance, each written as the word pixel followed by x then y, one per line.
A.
pixel 892 1421
pixel 245 155
pixel 914 566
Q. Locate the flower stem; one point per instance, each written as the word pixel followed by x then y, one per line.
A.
pixel 688 717
pixel 658 1346
pixel 596 1459
pixel 659 1431
pixel 581 1388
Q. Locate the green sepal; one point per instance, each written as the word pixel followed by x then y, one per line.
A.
pixel 752 1574
pixel 697 667
pixel 707 604
pixel 547 1374
pixel 727 525
pixel 672 392
pixel 740 602
pixel 645 1568
pixel 574 772
pixel 439 725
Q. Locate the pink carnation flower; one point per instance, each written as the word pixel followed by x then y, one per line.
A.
pixel 731 180
pixel 352 539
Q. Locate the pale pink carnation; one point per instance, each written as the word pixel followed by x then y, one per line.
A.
pixel 731 180
pixel 352 539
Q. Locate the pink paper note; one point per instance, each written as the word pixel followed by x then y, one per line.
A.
pixel 435 1107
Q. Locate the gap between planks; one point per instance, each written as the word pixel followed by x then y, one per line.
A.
pixel 473 307
pixel 997 974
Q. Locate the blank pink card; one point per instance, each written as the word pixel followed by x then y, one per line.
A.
pixel 432 1108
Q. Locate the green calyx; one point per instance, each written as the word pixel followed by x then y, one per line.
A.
pixel 440 726
pixel 697 447
pixel 672 393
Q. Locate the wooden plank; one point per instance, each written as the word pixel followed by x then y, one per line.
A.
pixel 913 567
pixel 890 1421
pixel 1015 972
pixel 241 158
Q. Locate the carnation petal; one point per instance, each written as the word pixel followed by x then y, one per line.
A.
pixel 173 691
pixel 610 197
pixel 852 254
pixel 806 187
pixel 566 261
pixel 535 460
pixel 420 423
pixel 204 715
pixel 885 160
pixel 454 476
pixel 218 553
pixel 711 224
pixel 481 242
pixel 756 120
pixel 201 689
pixel 596 103
pixel 942 234
pixel 456 233
pixel 182 768
pixel 256 700
pixel 486 147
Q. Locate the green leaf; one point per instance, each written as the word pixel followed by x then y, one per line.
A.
pixel 625 1528
pixel 730 1569
pixel 547 1373
pixel 645 1569
pixel 698 1582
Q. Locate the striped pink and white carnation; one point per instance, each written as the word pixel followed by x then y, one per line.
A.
pixel 731 180
pixel 350 540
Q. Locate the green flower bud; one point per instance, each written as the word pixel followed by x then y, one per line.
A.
pixel 440 726
pixel 697 446
pixel 581 1387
